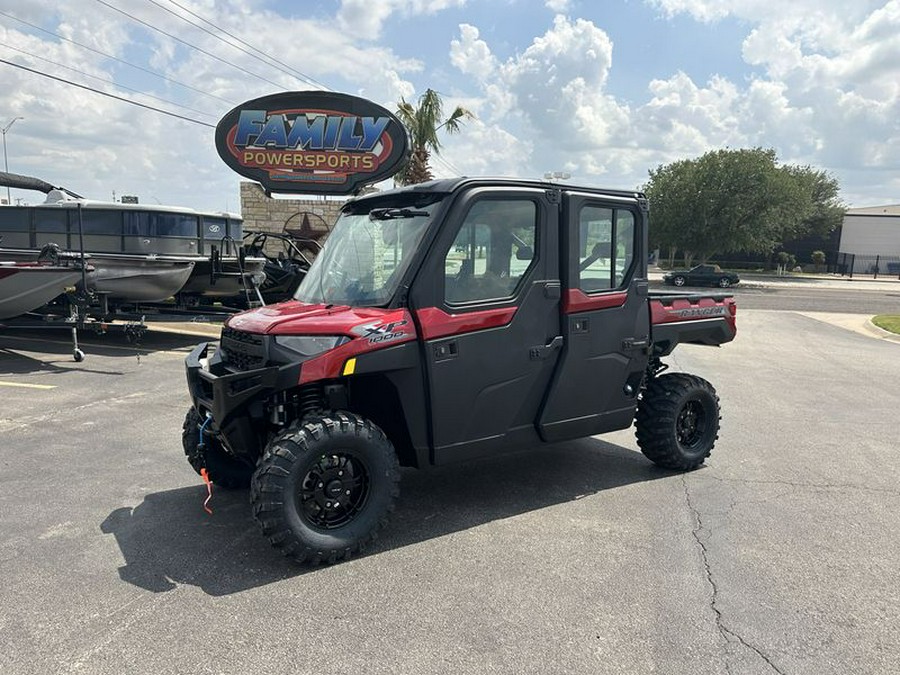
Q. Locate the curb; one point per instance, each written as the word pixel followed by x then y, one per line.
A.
pixel 881 332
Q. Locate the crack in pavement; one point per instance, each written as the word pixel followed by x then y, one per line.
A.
pixel 728 635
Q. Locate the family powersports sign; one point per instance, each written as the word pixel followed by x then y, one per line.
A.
pixel 312 142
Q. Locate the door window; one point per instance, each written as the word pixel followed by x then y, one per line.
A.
pixel 606 248
pixel 493 251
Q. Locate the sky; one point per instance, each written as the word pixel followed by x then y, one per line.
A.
pixel 604 90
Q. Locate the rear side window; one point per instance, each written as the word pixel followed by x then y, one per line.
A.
pixel 492 252
pixel 605 248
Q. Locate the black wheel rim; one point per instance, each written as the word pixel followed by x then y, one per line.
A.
pixel 690 427
pixel 334 491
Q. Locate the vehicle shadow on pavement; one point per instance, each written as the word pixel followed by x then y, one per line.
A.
pixel 169 540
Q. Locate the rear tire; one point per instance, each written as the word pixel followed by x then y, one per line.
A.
pixel 223 469
pixel 677 421
pixel 324 488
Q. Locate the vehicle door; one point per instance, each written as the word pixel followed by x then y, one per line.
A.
pixel 606 324
pixel 703 275
pixel 487 305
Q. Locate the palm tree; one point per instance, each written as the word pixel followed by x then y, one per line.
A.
pixel 423 123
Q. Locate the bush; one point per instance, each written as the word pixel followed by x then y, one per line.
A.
pixel 818 259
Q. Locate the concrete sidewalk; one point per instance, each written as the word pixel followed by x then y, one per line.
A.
pixel 858 323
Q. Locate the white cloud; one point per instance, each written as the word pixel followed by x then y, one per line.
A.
pixel 554 90
pixel 484 149
pixel 558 6
pixel 827 92
pixel 365 18
pixel 471 54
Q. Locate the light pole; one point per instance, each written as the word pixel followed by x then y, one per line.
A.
pixel 5 160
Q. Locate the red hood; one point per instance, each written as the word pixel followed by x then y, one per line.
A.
pixel 299 318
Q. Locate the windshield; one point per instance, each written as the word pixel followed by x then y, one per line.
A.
pixel 365 256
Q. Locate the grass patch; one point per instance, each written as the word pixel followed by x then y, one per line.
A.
pixel 889 322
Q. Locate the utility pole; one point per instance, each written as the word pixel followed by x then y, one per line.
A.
pixel 5 160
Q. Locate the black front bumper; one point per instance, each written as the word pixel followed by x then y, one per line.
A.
pixel 228 393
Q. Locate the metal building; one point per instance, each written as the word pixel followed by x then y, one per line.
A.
pixel 870 240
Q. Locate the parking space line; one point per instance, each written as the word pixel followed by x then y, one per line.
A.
pixel 27 386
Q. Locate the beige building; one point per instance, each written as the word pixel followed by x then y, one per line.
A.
pixel 870 240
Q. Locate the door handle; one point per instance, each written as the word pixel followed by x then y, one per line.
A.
pixel 445 350
pixel 630 344
pixel 543 351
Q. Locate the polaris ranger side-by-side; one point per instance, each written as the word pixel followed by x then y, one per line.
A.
pixel 441 322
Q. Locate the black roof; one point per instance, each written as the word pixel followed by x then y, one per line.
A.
pixel 448 185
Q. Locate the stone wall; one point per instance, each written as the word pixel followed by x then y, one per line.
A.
pixel 310 217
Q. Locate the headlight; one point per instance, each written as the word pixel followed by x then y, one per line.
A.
pixel 310 345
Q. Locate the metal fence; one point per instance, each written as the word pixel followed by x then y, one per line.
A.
pixel 866 265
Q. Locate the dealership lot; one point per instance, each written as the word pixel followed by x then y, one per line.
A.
pixel 778 556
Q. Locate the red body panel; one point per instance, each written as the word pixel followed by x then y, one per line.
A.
pixel 299 318
pixel 330 364
pixel 577 300
pixel 686 309
pixel 370 329
pixel 436 323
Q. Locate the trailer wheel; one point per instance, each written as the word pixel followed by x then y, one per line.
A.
pixel 677 421
pixel 325 487
pixel 223 469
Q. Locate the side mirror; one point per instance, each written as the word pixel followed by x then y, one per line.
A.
pixel 524 253
pixel 602 249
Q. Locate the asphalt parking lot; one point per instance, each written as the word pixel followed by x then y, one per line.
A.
pixel 780 556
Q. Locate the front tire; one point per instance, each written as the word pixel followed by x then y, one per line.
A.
pixel 324 488
pixel 724 282
pixel 678 281
pixel 677 421
pixel 223 469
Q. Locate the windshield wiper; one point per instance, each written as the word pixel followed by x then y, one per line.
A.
pixel 388 214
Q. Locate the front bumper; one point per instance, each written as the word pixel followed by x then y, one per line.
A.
pixel 228 393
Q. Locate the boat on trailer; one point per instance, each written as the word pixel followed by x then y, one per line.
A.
pixel 25 286
pixel 138 252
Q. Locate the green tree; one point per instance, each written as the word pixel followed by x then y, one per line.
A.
pixel 671 192
pixel 737 200
pixel 423 122
pixel 825 211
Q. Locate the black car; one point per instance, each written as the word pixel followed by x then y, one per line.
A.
pixel 702 275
